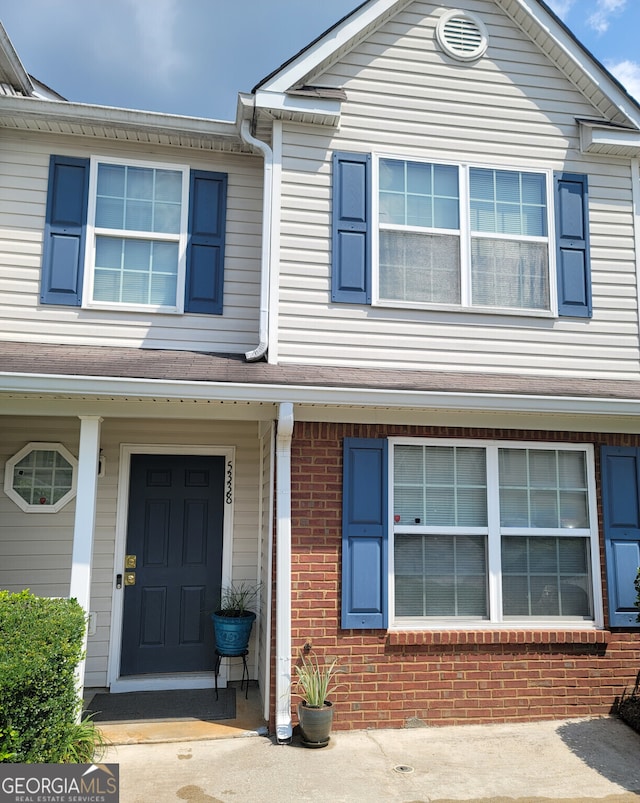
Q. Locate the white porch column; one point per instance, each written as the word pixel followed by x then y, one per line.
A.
pixel 284 729
pixel 85 520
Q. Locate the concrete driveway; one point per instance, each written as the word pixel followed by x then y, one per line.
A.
pixel 581 759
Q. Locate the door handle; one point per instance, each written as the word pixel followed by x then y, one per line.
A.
pixel 130 579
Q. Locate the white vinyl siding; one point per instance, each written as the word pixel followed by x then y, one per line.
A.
pixel 511 109
pixel 36 550
pixel 24 165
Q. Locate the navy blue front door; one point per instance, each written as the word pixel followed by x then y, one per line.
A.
pixel 174 537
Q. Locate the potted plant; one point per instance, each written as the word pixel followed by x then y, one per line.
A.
pixel 315 712
pixel 234 618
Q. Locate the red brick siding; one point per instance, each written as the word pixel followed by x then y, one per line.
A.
pixel 390 679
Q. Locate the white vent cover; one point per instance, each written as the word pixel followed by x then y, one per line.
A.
pixel 462 35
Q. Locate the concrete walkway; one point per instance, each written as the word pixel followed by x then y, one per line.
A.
pixel 582 759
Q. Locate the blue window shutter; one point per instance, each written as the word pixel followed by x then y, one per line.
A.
pixel 621 519
pixel 351 228
pixel 572 245
pixel 364 534
pixel 64 231
pixel 205 251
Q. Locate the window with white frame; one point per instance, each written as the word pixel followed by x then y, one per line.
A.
pixel 495 532
pixel 475 237
pixel 138 222
pixel 41 477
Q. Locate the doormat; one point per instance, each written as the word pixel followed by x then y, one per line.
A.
pixel 181 704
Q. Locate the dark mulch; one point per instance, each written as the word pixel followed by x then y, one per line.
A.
pixel 629 707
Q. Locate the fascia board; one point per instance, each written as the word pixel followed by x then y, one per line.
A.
pixel 13 64
pixel 296 105
pixel 582 57
pixel 110 115
pixel 292 73
pixel 91 387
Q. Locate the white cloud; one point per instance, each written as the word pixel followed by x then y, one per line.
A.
pixel 561 7
pixel 600 18
pixel 628 73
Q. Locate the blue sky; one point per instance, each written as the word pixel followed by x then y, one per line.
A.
pixel 193 56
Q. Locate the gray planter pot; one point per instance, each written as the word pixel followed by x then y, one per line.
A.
pixel 315 724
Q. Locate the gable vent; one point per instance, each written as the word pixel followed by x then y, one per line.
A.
pixel 462 35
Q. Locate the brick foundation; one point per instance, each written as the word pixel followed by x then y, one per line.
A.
pixel 398 679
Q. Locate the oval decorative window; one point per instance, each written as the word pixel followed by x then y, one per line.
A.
pixel 462 35
pixel 41 477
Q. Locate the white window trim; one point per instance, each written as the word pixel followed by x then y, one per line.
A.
pixel 464 233
pixel 38 446
pixel 181 239
pixel 494 534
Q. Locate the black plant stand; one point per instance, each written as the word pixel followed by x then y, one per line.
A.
pixel 245 668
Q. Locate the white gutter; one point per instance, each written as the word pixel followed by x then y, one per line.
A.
pixel 265 268
pixel 96 388
pixel 284 728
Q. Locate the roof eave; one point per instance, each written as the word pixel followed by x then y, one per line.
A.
pixel 296 108
pixel 609 140
pixel 11 69
pixel 63 117
pixel 131 388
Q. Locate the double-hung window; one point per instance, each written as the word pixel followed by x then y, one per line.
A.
pixel 137 236
pixel 461 235
pixel 492 532
pixel 138 222
pixel 425 235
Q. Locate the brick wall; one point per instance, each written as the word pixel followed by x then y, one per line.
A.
pixel 392 680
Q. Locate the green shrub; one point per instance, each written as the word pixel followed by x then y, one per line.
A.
pixel 41 642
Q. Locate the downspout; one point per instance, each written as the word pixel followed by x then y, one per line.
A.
pixel 265 268
pixel 283 573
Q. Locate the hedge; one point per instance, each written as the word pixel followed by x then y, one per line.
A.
pixel 41 642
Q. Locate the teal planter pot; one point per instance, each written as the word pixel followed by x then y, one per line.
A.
pixel 232 633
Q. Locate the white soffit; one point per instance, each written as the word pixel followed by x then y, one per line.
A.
pixel 63 117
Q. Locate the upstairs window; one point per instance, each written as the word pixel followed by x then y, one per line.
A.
pixel 420 234
pixel 139 227
pixel 140 236
pixel 474 237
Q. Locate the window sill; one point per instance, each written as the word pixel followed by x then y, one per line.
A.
pixel 387 303
pixel 408 638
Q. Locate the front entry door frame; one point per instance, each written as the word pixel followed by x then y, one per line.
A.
pixel 190 680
